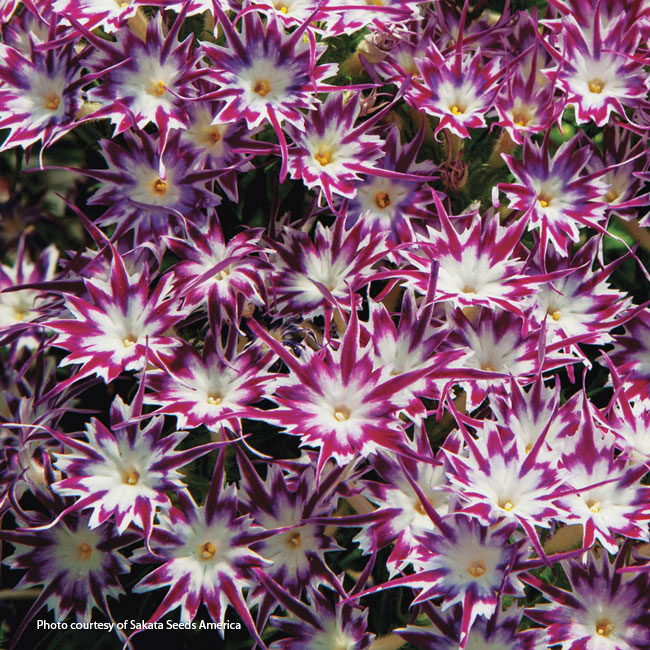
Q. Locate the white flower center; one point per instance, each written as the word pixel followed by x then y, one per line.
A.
pixel 554 313
pixel 594 506
pixel 522 114
pixel 159 187
pixel 213 135
pixel 266 81
pixel 20 313
pixel 419 507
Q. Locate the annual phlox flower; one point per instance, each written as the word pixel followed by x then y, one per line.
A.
pixel 459 88
pixel 110 329
pixel 40 92
pixel 603 610
pixel 331 152
pixel 314 275
pixel 204 556
pixel 18 308
pixel 499 632
pixel 337 400
pixel 465 563
pixel 144 81
pixel 388 203
pixel 266 74
pixel 500 481
pixel 141 200
pixel 617 504
pixel 554 192
pixel 124 472
pixel 214 388
pixel 222 276
pixel 76 566
pixel 597 67
pixel 298 554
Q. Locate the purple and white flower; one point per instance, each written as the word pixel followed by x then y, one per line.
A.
pixel 143 80
pixel 140 199
pixel 78 567
pixel 124 472
pixel 112 330
pixel 554 193
pixel 40 93
pixel 266 74
pixel 604 610
pixel 206 556
pixel 216 388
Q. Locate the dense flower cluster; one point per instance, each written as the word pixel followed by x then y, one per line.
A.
pixel 314 311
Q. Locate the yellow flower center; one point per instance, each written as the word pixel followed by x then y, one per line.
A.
pixel 214 136
pixel 208 551
pixel 594 506
pixel 157 88
pixel 294 540
pixel 596 86
pixel 341 413
pixel 52 101
pixel 215 399
pixel 544 200
pixel 508 506
pixel 521 115
pixel 283 9
pixel 159 186
pixel 382 199
pixel 420 508
pixel 604 627
pixel 20 313
pixel 612 195
pixel 477 569
pixel 456 110
pixel 323 157
pixel 128 341
pixel 262 88
pixel 222 275
pixel 468 288
pixel 131 477
pixel 84 551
